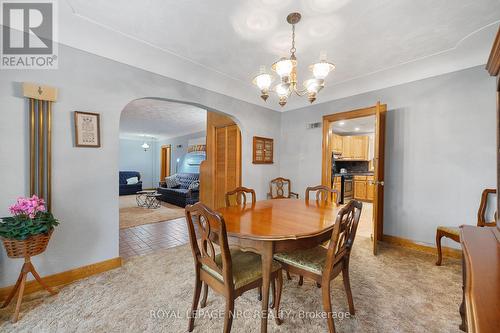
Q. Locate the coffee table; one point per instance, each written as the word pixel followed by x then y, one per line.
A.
pixel 148 199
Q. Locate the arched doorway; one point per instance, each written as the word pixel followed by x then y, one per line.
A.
pixel 219 172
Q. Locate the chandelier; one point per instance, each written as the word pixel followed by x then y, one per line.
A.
pixel 286 68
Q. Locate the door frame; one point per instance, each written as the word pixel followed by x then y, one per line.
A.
pixel 326 170
pixel 165 161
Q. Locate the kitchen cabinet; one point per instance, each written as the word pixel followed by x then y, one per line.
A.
pixel 337 186
pixel 355 147
pixel 359 147
pixel 336 142
pixel 363 188
pixel 370 188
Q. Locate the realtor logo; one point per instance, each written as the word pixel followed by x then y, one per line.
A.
pixel 28 34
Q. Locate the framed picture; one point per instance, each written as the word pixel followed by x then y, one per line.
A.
pixel 87 129
pixel 262 150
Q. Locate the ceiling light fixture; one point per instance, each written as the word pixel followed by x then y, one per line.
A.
pixel 356 129
pixel 145 145
pixel 286 68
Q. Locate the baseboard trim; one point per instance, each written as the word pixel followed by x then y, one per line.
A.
pixel 407 243
pixel 67 277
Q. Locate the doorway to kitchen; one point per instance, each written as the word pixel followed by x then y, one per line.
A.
pixel 353 163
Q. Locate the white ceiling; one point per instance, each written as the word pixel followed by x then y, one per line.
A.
pixel 160 119
pixel 219 45
pixel 364 125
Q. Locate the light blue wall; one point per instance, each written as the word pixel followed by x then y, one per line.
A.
pixel 177 152
pixel 85 191
pixel 134 158
pixel 439 151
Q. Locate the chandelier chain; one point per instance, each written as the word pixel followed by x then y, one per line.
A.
pixel 293 49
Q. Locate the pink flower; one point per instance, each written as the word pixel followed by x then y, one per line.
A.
pixel 28 206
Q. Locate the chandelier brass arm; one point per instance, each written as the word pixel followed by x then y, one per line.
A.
pixel 286 68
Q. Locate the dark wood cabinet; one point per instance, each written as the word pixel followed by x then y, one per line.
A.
pixel 263 150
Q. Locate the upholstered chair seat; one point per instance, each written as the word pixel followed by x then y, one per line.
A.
pixel 322 265
pixel 312 260
pixel 247 267
pixel 450 230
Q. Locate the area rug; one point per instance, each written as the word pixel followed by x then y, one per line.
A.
pixel 131 215
pixel 397 291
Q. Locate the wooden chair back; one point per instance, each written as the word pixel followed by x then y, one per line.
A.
pixel 322 193
pixel 240 194
pixel 481 213
pixel 343 234
pixel 280 188
pixel 211 226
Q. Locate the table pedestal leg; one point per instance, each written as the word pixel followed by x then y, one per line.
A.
pixel 20 284
pixel 267 261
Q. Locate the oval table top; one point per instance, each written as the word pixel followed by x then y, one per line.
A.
pixel 279 219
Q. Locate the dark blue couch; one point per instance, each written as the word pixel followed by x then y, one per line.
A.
pixel 181 195
pixel 132 188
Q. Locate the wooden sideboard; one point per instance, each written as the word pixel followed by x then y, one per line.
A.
pixel 480 309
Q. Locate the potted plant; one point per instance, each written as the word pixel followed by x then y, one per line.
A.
pixel 28 230
pixel 25 234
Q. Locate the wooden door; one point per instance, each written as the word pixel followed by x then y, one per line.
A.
pixel 165 156
pixel 227 162
pixel 378 197
pixel 222 168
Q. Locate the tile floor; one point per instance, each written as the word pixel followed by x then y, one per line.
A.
pixel 145 239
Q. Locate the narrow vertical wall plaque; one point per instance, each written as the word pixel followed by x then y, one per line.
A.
pixel 40 126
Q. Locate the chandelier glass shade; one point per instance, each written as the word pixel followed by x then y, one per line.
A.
pixel 286 69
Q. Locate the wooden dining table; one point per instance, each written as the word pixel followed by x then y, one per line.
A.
pixel 270 226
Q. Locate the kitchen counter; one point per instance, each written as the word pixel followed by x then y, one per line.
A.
pixel 354 174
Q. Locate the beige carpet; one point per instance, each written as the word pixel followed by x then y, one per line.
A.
pixel 131 215
pixel 397 291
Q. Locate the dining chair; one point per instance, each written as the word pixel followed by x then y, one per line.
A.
pixel 231 272
pixel 453 232
pixel 323 265
pixel 281 188
pixel 239 195
pixel 322 194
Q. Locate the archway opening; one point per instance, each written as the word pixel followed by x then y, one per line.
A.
pixel 172 154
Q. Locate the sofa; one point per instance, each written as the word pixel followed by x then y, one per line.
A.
pixel 126 189
pixel 180 195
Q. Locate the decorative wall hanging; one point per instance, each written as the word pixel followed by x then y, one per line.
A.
pixel 40 127
pixel 262 150
pixel 87 129
pixel 197 148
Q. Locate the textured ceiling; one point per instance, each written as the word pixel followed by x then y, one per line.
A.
pixel 354 126
pixel 220 45
pixel 161 119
